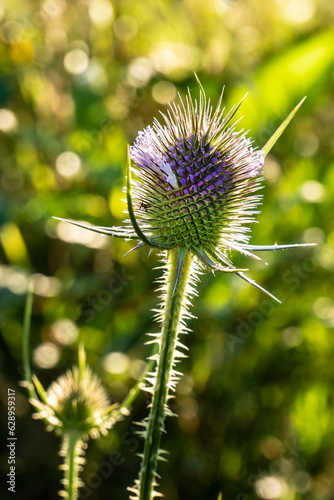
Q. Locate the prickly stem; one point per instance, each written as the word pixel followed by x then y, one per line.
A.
pixel 173 310
pixel 73 451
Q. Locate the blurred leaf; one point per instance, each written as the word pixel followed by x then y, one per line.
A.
pixel 311 417
pixel 13 244
pixel 286 78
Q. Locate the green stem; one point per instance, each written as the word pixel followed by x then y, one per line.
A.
pixel 26 342
pixel 173 308
pixel 72 449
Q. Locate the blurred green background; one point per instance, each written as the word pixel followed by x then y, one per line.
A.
pixel 78 80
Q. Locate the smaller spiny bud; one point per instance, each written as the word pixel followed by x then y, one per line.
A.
pixel 77 401
pixel 76 407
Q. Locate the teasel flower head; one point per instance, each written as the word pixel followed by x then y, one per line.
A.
pixel 196 179
pixel 75 401
pixel 193 182
pixel 76 406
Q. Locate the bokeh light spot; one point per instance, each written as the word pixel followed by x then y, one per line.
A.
pixel 291 337
pixel 11 32
pixel 306 144
pixel 271 447
pixel 15 281
pixel 97 206
pixel 101 12
pixel 314 235
pixel 117 107
pixel 74 234
pixel 164 92
pixel 272 170
pixel 125 28
pixel 53 8
pixel 299 11
pixel 248 38
pixel 46 286
pixel 64 331
pixel 324 307
pixel 96 76
pixel 173 57
pixel 116 363
pixel 302 481
pixel 137 368
pixel 8 121
pixel 270 487
pixel 313 191
pixel 46 355
pixel 76 61
pixel 139 72
pixel 68 164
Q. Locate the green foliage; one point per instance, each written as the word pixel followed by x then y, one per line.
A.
pixel 75 87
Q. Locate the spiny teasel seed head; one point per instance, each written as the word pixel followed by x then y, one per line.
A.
pixel 195 179
pixel 76 401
